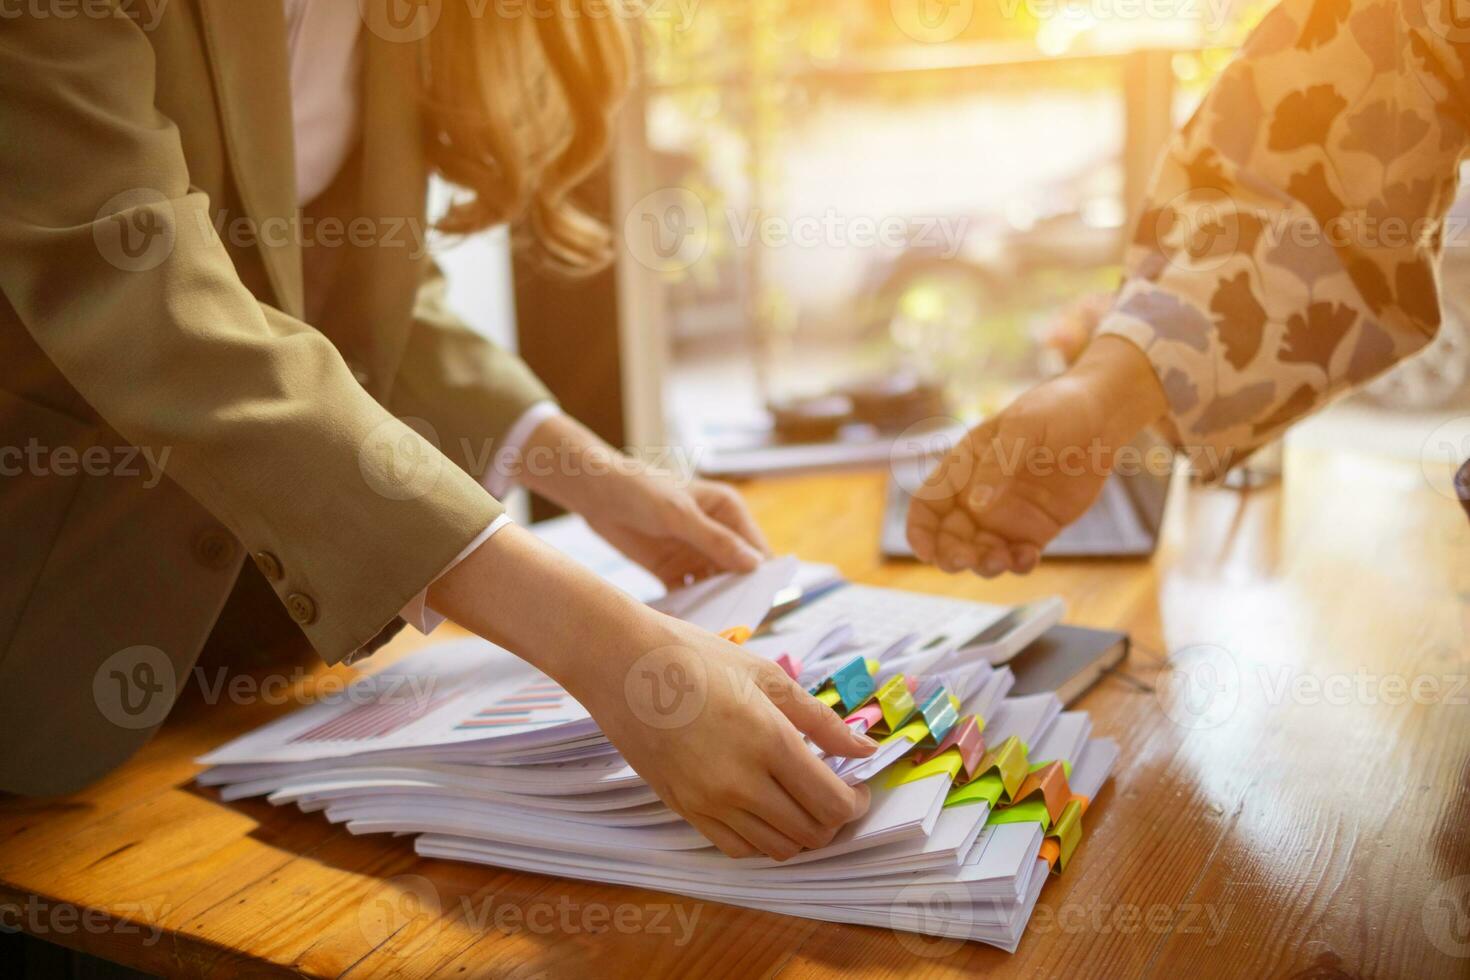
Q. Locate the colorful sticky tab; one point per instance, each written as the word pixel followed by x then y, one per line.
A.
pixel 1030 811
pixel 1067 831
pixel 848 686
pixel 790 665
pixel 939 708
pixel 913 732
pixel 947 763
pixel 866 717
pixel 1048 785
pixel 895 703
pixel 965 740
pixel 1008 761
pixel 736 634
pixel 984 789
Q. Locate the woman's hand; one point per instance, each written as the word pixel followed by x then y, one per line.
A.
pixel 1017 479
pixel 716 731
pixel 678 533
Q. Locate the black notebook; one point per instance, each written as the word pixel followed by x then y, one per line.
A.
pixel 1067 660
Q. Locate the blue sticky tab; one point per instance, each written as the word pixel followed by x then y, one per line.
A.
pixel 853 683
pixel 938 710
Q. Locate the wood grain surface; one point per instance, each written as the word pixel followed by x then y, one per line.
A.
pixel 1291 798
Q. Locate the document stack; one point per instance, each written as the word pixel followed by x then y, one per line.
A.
pixel 977 798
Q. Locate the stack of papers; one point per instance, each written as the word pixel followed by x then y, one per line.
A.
pixel 977 798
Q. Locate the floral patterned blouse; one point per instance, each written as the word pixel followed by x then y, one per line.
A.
pixel 1289 246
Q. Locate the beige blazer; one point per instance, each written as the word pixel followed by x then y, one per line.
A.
pixel 166 412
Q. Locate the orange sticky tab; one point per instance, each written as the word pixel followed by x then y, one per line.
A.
pixel 736 634
pixel 1050 783
pixel 1050 851
pixel 1081 801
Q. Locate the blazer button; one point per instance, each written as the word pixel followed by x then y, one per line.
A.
pixel 301 607
pixel 269 565
pixel 214 548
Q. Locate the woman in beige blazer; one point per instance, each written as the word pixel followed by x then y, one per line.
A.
pixel 204 362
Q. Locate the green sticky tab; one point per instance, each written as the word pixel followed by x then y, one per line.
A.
pixel 986 789
pixel 1029 811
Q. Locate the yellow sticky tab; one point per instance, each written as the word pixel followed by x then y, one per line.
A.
pixel 1067 832
pixel 947 763
pixel 828 696
pixel 914 731
pixel 1008 760
pixel 896 701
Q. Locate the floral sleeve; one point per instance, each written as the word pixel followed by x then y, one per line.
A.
pixel 1289 246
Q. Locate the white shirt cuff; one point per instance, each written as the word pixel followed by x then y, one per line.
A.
pixel 498 482
pixel 497 478
pixel 417 613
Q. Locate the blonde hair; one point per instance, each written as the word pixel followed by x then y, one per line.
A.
pixel 520 107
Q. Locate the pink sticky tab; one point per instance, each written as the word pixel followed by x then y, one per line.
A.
pixel 965 736
pixel 791 665
pixel 869 715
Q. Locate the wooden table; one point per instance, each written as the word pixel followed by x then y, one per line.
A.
pixel 1290 801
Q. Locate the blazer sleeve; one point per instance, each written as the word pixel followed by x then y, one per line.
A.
pixel 263 422
pixel 1289 246
pixel 468 389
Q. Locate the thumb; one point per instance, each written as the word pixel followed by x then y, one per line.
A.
pixel 722 546
pixel 822 725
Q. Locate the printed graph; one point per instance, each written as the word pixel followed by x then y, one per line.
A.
pixel 541 701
